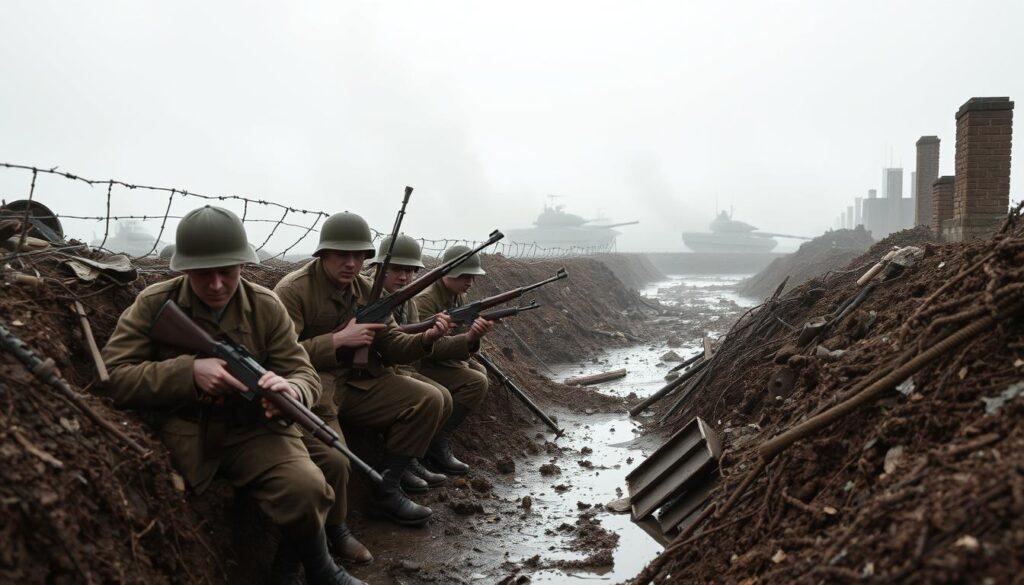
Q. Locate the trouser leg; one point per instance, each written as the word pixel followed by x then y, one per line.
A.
pixel 336 469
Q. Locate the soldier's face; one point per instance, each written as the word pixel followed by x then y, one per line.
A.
pixel 459 285
pixel 342 267
pixel 215 286
pixel 398 276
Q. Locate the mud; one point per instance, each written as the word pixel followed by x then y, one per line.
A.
pixel 920 486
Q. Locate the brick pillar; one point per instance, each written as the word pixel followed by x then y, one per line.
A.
pixel 981 192
pixel 927 173
pixel 942 205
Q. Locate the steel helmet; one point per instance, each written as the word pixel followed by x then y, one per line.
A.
pixel 472 265
pixel 211 237
pixel 407 252
pixel 345 232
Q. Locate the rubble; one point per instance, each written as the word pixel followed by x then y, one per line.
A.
pixel 892 487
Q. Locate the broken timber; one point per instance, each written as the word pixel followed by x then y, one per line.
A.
pixel 596 378
pixel 667 389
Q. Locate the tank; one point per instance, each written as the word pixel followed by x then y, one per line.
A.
pixel 729 236
pixel 130 238
pixel 556 228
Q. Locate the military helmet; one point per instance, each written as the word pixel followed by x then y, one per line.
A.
pixel 211 237
pixel 472 265
pixel 407 252
pixel 345 232
pixel 167 252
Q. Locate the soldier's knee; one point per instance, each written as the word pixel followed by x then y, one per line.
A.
pixel 305 495
pixel 336 469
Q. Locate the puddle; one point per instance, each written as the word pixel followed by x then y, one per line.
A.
pixel 600 484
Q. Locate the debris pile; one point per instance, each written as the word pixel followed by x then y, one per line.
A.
pixel 868 436
pixel 830 251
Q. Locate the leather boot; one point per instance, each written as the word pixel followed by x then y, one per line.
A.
pixel 343 543
pixel 412 483
pixel 433 479
pixel 439 454
pixel 287 567
pixel 392 501
pixel 320 567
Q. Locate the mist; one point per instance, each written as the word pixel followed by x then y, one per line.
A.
pixel 651 111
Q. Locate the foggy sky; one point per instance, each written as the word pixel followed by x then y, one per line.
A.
pixel 649 111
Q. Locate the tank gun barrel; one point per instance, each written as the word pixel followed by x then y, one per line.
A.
pixel 771 235
pixel 614 225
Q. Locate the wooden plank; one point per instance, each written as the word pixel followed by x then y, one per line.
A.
pixel 596 378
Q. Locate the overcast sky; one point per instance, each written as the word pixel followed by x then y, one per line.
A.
pixel 649 111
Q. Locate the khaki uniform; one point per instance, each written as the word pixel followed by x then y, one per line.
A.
pixel 465 379
pixel 231 437
pixel 407 410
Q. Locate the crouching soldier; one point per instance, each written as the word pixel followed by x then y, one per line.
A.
pixel 322 298
pixel 466 380
pixel 208 428
pixel 406 260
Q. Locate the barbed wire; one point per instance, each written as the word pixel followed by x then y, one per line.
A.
pixel 434 247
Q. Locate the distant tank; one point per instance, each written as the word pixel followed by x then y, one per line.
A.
pixel 129 238
pixel 730 236
pixel 555 228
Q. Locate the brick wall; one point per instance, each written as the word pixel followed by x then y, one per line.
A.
pixel 981 191
pixel 927 173
pixel 942 203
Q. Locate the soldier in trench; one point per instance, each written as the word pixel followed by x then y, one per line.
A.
pixel 405 262
pixel 208 428
pixel 465 379
pixel 322 298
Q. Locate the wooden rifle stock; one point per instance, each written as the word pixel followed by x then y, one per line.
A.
pixel 173 327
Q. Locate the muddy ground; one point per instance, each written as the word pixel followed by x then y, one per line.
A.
pixel 924 483
pixel 77 506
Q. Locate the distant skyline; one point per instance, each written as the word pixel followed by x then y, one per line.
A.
pixel 649 111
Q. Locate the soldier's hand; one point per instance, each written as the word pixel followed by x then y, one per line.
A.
pixel 356 334
pixel 274 383
pixel 442 324
pixel 479 328
pixel 211 376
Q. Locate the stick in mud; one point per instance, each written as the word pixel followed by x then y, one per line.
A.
pixel 668 388
pixel 596 378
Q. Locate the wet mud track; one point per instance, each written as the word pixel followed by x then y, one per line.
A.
pixel 543 516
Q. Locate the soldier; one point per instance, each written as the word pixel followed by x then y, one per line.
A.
pixel 466 380
pixel 406 260
pixel 207 427
pixel 322 298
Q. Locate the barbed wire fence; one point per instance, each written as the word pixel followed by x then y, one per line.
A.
pixel 305 220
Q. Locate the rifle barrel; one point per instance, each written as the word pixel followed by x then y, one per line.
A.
pixel 518 392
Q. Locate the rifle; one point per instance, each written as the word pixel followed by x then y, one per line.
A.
pixel 492 315
pixel 381 309
pixel 465 314
pixel 173 327
pixel 493 369
pixel 361 356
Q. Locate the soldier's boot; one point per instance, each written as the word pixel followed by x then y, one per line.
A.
pixel 287 566
pixel 320 567
pixel 433 479
pixel 392 501
pixel 344 544
pixel 439 454
pixel 412 483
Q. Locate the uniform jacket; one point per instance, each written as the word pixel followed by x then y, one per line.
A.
pixel 433 300
pixel 317 308
pixel 158 378
pixel 451 347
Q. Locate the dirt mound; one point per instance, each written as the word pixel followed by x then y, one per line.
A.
pixel 76 505
pixel 830 251
pixel 634 270
pixel 923 484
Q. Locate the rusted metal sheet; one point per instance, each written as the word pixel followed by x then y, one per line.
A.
pixel 690 455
